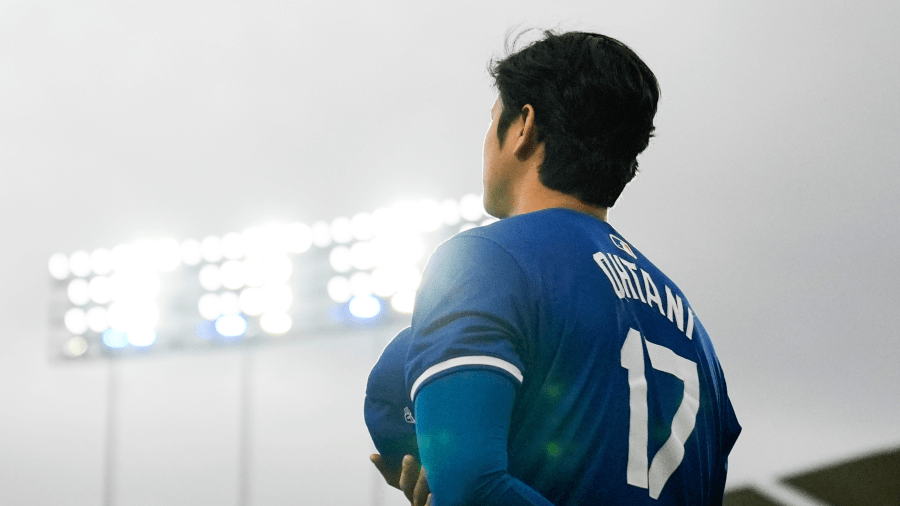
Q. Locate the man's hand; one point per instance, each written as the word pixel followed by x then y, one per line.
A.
pixel 409 478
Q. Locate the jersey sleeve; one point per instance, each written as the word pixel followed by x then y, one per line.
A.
pixel 387 408
pixel 473 311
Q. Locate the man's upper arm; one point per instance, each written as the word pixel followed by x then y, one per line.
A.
pixel 473 311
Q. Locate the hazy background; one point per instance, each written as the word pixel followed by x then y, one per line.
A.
pixel 769 194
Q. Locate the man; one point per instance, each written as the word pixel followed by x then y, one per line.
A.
pixel 549 362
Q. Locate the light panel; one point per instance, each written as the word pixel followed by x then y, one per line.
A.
pixel 275 281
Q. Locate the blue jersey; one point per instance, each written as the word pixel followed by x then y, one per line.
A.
pixel 620 397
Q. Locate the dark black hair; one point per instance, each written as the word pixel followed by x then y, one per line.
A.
pixel 594 100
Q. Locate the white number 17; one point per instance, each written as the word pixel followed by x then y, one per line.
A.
pixel 669 456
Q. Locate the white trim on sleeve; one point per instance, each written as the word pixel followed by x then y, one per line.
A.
pixel 458 361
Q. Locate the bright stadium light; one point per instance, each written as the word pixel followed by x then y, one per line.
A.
pixel 232 245
pixel 471 207
pixel 209 277
pixel 143 315
pixel 78 292
pixel 211 248
pixel 145 255
pixel 321 234
pixel 96 319
pixel 229 303
pixel 166 255
pixel 141 337
pixel 127 316
pixel 252 301
pixel 405 219
pixel 80 263
pixel 408 277
pixel 76 346
pixel 450 212
pixel 254 240
pixel 338 289
pixel 100 289
pixel 367 267
pixel 341 231
pixel 191 254
pixel 231 275
pixel 101 261
pixel 385 221
pixel 362 225
pixel 118 316
pixel 275 323
pixel 255 271
pixel 397 249
pixel 276 239
pixel 208 306
pixel 404 301
pixel 277 268
pixel 428 215
pixel 361 284
pixel 384 283
pixel 59 266
pixel 134 286
pixel 231 325
pixel 340 259
pixel 113 338
pixel 122 258
pixel 365 307
pixel 362 256
pixel 277 298
pixel 299 237
pixel 75 321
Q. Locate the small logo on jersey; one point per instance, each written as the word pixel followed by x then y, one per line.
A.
pixel 407 415
pixel 622 245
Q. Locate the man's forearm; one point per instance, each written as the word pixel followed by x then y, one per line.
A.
pixel 462 423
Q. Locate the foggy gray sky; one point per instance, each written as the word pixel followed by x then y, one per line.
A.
pixel 769 194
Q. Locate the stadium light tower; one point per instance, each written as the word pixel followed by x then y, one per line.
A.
pixel 275 282
pixel 265 284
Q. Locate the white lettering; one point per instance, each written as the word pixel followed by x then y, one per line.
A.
pixel 674 309
pixel 652 292
pixel 623 274
pixel 607 269
pixel 637 284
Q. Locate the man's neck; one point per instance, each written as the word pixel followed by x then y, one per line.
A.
pixel 534 196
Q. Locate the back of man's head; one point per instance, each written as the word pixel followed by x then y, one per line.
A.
pixel 594 101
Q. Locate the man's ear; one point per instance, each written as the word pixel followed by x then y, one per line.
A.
pixel 526 128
